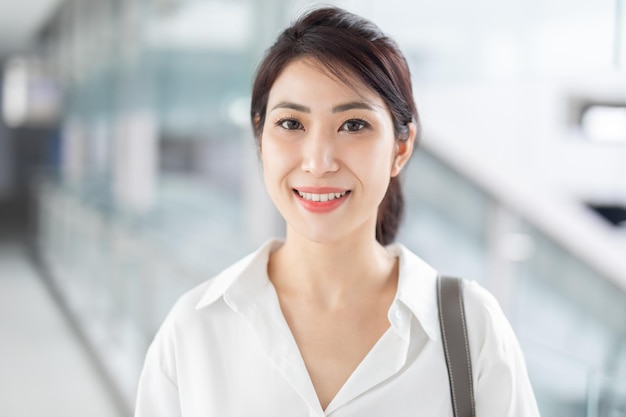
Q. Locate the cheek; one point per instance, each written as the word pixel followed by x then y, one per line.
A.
pixel 276 161
pixel 372 167
pixel 377 159
pixel 271 156
pixel 268 163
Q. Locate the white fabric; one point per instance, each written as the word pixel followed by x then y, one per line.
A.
pixel 225 350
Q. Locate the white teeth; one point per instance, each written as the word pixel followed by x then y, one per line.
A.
pixel 321 197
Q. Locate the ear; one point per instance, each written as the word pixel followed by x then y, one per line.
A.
pixel 404 149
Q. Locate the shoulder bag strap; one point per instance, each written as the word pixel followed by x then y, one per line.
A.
pixel 456 345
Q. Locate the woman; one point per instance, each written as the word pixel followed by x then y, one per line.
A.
pixel 335 319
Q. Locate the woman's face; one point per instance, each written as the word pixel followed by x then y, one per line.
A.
pixel 328 153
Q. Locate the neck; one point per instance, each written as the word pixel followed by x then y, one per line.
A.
pixel 331 273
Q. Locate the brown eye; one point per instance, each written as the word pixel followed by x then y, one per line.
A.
pixel 289 124
pixel 354 125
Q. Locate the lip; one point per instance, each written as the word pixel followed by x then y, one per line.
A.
pixel 321 206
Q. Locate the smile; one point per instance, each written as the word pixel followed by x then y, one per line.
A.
pixel 324 200
pixel 321 197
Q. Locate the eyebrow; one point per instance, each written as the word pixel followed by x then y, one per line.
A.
pixel 337 109
pixel 353 105
pixel 292 106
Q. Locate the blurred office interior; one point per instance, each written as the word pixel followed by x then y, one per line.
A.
pixel 128 174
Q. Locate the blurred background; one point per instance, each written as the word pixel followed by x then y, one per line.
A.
pixel 128 174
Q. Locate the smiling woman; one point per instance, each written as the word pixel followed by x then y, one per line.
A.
pixel 335 317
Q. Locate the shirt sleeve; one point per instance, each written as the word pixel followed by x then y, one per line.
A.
pixel 157 395
pixel 501 384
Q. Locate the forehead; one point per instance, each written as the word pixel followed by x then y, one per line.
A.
pixel 309 79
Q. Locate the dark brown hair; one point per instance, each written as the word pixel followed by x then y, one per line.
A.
pixel 347 45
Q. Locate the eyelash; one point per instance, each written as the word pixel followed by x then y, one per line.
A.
pixel 363 124
pixel 283 120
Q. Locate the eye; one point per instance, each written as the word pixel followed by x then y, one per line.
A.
pixel 354 125
pixel 289 124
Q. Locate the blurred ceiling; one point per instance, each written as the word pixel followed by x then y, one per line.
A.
pixel 20 21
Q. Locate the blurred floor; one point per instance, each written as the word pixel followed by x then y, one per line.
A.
pixel 44 368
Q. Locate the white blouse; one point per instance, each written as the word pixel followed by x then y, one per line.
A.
pixel 225 350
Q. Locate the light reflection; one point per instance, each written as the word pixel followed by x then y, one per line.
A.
pixel 604 123
pixel 15 92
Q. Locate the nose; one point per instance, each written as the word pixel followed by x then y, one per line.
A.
pixel 318 154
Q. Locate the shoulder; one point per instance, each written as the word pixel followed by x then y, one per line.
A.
pixel 480 303
pixel 501 383
pixel 482 308
pixel 186 306
pixel 200 313
pixel 175 335
pixel 206 300
pixel 491 336
pixel 185 316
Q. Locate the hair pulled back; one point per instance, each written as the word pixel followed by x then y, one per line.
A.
pixel 348 46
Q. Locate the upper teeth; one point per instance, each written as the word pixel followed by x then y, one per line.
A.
pixel 321 197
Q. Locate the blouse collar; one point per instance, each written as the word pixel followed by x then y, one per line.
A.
pixel 240 285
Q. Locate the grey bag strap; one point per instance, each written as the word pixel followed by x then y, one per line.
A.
pixel 456 345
